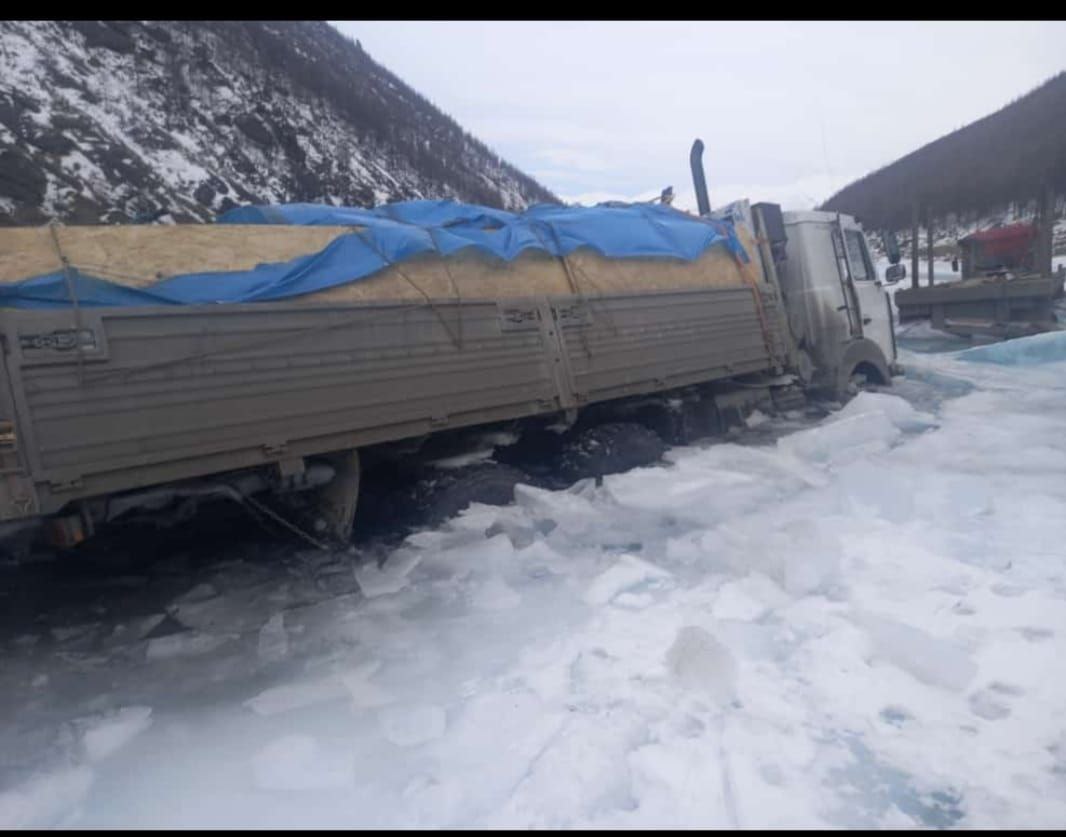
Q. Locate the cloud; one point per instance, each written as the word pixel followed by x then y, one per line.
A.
pixel 572 158
pixel 612 106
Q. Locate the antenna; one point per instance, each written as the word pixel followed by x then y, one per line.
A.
pixel 825 146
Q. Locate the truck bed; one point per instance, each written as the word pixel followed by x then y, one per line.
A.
pixel 154 394
pixel 995 300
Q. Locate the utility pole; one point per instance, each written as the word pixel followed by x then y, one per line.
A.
pixel 929 243
pixel 914 245
pixel 1046 239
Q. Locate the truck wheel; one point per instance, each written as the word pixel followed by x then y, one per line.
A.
pixel 610 449
pixel 856 384
pixel 449 492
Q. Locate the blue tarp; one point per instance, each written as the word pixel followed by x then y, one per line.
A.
pixel 394 233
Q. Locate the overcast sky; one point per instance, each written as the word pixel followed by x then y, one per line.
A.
pixel 788 111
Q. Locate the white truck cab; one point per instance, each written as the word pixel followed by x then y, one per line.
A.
pixel 839 316
pixel 838 298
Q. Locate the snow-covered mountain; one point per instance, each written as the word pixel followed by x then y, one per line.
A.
pixel 111 121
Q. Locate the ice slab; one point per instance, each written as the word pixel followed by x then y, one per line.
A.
pixel 844 439
pixel 391 578
pixel 298 763
pixel 933 661
pixel 45 800
pixel 897 410
pixel 111 734
pixel 1049 347
pixel 629 574
pixel 702 663
pixel 184 644
pixel 297 695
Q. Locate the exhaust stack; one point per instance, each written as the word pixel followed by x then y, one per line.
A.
pixel 695 160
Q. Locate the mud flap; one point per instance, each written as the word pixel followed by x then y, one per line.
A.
pixel 339 498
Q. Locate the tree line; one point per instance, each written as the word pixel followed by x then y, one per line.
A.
pixel 1008 157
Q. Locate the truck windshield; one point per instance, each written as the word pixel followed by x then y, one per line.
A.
pixel 860 268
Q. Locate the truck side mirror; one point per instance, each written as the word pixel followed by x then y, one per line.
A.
pixel 955 265
pixel 891 248
pixel 895 272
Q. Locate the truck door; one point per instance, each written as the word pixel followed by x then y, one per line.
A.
pixel 875 308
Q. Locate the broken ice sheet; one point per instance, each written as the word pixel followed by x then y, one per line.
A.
pixel 687 645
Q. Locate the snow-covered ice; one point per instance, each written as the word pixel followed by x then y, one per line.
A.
pixel 859 623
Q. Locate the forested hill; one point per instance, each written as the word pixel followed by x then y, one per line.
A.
pixel 1004 158
pixel 107 121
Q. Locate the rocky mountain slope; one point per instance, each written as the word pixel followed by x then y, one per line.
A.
pixel 104 122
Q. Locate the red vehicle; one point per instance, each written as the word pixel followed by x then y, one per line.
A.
pixel 998 251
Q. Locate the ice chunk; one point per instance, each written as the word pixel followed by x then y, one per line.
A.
pixel 933 661
pixel 391 578
pixel 364 692
pixel 801 556
pixel 1021 351
pixel 143 627
pixel 199 593
pixel 495 594
pixel 44 800
pixel 111 734
pixel 296 762
pixel 184 644
pixel 840 439
pixel 296 696
pixel 243 609
pixel 570 511
pixel 746 599
pixel 65 634
pixel 897 410
pixel 628 572
pixel 408 726
pixel 811 557
pixel 701 663
pixel 273 643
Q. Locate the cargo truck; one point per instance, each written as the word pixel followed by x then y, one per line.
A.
pixel 280 357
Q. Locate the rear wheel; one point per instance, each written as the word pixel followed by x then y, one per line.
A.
pixel 446 493
pixel 609 449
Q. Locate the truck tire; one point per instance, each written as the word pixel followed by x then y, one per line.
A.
pixel 609 449
pixel 447 493
pixel 863 358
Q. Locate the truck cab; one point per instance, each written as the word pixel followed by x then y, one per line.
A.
pixel 839 314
